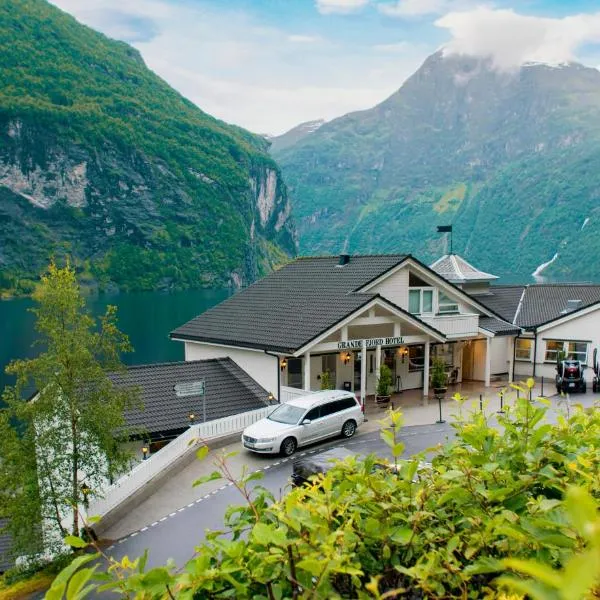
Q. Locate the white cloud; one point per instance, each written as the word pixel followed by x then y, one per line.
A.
pixel 327 7
pixel 303 39
pixel 413 8
pixel 511 39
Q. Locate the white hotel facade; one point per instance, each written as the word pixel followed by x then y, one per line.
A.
pixel 349 314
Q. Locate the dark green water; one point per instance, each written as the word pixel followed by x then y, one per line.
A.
pixel 146 317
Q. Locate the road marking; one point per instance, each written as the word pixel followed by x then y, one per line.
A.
pixel 207 496
pixel 111 547
pixel 199 500
pixel 181 509
pixel 230 483
pixel 191 504
pixel 215 492
pixel 134 534
pixel 222 487
pixel 153 524
pixel 121 541
pixel 275 464
pixel 266 467
pixel 163 519
pixel 172 514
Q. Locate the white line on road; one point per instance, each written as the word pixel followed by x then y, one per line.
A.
pixel 172 514
pixel 199 500
pixel 181 509
pixel 153 524
pixel 134 534
pixel 143 529
pixel 163 519
pixel 190 505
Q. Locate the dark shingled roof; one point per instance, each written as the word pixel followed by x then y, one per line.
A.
pixel 291 306
pixel 229 390
pixel 6 561
pixel 546 302
pixel 540 303
pixel 502 299
pixel 497 326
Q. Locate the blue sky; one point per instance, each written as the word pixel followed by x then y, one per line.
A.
pixel 268 65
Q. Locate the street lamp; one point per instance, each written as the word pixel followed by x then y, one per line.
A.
pixel 191 418
pixel 270 398
pixel 145 452
pixel 85 490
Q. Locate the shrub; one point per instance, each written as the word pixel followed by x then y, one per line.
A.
pixel 518 498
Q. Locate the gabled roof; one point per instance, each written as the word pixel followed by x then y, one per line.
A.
pixel 456 269
pixel 291 306
pixel 229 390
pixel 497 326
pixel 534 305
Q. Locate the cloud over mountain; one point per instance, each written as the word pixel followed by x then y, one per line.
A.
pixel 511 39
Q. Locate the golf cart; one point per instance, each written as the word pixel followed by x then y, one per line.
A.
pixel 570 376
pixel 596 367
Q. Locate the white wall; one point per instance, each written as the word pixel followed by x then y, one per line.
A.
pixel 260 366
pixel 500 354
pixel 394 288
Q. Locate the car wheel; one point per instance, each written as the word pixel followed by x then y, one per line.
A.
pixel 288 446
pixel 348 429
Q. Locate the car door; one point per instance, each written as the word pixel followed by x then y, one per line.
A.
pixel 331 418
pixel 311 431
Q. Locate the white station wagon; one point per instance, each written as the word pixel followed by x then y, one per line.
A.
pixel 305 420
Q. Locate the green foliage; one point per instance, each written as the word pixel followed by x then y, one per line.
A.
pixel 493 500
pixel 384 381
pixel 439 377
pixel 74 423
pixel 327 381
pixel 171 194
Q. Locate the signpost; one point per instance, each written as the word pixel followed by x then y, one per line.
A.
pixel 192 388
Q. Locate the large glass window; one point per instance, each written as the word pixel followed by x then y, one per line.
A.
pixel 444 352
pixel 416 358
pixel 294 372
pixel 420 301
pixel 523 348
pixel 446 304
pixel 329 363
pixel 570 350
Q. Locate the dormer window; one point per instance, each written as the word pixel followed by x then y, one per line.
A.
pixel 420 301
pixel 446 305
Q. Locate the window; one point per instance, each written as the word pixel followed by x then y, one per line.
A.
pixel 416 358
pixel 286 413
pixel 294 372
pixel 446 304
pixel 420 301
pixel 313 414
pixel 523 349
pixel 570 350
pixel 444 352
pixel 329 363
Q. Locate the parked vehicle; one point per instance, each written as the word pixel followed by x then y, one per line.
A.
pixel 596 367
pixel 570 376
pixel 305 420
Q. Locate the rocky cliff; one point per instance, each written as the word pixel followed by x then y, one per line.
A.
pixel 506 156
pixel 101 160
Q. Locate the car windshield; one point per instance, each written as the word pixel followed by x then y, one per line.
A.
pixel 286 413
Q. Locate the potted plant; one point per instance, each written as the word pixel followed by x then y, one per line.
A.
pixel 327 381
pixel 439 378
pixel 384 385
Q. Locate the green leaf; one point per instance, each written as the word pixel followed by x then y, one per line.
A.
pixel 75 542
pixel 539 571
pixel 401 535
pixel 311 565
pixel 215 475
pixel 582 510
pixel 262 533
pixel 78 581
pixel 63 577
pixel 202 452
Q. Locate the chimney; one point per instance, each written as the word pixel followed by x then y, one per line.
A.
pixel 344 260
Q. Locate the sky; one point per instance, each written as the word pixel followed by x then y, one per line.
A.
pixel 268 65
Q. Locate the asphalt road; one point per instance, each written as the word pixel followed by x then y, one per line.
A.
pixel 176 535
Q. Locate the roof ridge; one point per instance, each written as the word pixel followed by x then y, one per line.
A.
pixel 336 256
pixel 173 363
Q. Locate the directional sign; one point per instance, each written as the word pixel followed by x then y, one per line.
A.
pixel 189 388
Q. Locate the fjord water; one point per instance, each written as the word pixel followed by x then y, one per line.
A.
pixel 146 317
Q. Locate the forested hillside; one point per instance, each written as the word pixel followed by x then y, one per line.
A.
pixel 509 157
pixel 101 159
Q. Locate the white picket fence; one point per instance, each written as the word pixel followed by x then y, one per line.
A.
pixel 289 393
pixel 146 470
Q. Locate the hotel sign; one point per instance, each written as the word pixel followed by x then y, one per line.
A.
pixel 370 343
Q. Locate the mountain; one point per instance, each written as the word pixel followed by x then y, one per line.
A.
pixel 101 159
pixel 294 135
pixel 509 158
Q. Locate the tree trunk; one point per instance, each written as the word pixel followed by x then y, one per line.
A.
pixel 75 466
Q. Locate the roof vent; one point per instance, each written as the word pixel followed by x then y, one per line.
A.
pixel 344 260
pixel 572 305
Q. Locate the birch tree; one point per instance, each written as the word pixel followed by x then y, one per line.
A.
pixel 66 436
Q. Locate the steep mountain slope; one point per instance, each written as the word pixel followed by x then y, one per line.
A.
pixel 294 135
pixel 101 159
pixel 509 157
